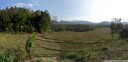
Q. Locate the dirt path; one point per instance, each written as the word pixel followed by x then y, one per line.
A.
pixel 45 59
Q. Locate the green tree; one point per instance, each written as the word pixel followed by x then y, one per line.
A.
pixel 19 19
pixel 42 21
pixel 116 26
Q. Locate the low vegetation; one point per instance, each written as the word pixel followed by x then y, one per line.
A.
pixel 71 27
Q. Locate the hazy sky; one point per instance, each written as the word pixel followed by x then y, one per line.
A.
pixel 90 10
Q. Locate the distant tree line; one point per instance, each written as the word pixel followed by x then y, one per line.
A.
pixel 17 19
pixel 71 27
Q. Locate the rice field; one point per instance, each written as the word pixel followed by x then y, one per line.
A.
pixel 50 44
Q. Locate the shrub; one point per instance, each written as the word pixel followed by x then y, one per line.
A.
pixel 104 48
pixel 7 56
pixel 19 55
pixel 12 55
pixel 124 34
pixel 75 56
pixel 28 45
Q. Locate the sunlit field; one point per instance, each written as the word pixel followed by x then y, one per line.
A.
pixel 98 43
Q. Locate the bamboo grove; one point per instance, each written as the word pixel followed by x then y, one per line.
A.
pixel 17 19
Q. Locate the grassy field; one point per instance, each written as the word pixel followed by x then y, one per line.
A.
pixel 98 43
pixel 90 36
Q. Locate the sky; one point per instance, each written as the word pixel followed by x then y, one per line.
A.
pixel 69 10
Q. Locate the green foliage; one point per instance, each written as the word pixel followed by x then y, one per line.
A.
pixel 39 60
pixel 71 27
pixel 124 34
pixel 12 55
pixel 105 48
pixel 75 56
pixel 19 54
pixel 7 56
pixel 17 19
pixel 28 46
pixel 116 24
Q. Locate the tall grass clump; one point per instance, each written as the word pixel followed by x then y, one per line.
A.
pixel 28 45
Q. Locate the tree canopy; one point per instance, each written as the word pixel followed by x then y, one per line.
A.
pixel 116 24
pixel 17 19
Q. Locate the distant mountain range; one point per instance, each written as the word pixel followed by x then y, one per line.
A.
pixel 86 22
pixel 76 22
pixel 104 23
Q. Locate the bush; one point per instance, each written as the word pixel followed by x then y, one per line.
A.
pixel 75 56
pixel 124 34
pixel 7 56
pixel 12 55
pixel 104 48
pixel 72 55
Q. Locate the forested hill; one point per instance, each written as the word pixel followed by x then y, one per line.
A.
pixel 84 22
pixel 73 22
pixel 81 22
pixel 17 19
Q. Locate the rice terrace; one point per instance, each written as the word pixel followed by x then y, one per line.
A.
pixel 59 31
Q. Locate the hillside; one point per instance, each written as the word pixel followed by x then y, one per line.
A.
pixel 85 22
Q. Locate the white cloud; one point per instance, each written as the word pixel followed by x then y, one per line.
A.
pixel 30 5
pixel 34 1
pixel 102 10
pixel 97 10
pixel 19 4
pixel 23 5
